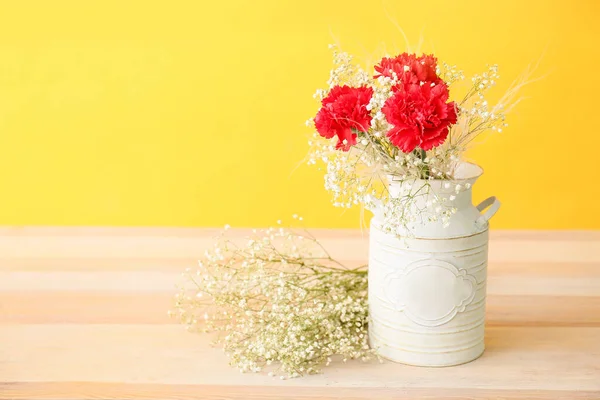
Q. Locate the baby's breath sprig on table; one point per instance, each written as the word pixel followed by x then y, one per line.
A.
pixel 277 302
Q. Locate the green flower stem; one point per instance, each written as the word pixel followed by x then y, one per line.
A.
pixel 423 155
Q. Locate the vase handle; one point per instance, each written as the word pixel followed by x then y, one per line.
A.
pixel 493 203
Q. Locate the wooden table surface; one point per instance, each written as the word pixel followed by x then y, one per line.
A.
pixel 83 314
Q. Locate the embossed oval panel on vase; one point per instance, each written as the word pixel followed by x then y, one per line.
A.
pixel 431 292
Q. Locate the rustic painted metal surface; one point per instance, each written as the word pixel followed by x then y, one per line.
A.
pixel 427 298
pixel 427 293
pixel 83 315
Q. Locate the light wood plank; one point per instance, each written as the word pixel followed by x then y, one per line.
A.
pixel 85 308
pixel 107 263
pixel 179 264
pixel 157 281
pixel 81 307
pixel 542 311
pixel 515 359
pixel 343 244
pixel 120 391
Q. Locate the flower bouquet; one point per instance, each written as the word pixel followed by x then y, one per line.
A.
pixel 393 141
pixel 388 136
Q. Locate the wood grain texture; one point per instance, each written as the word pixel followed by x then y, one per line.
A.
pixel 124 391
pixel 83 315
pixel 111 307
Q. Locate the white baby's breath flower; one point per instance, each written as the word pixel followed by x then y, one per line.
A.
pixel 279 299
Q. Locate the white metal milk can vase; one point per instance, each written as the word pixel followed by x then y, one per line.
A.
pixel 427 290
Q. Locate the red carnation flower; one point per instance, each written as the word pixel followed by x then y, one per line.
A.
pixel 409 68
pixel 420 116
pixel 344 110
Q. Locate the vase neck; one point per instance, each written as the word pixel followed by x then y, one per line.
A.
pixel 426 192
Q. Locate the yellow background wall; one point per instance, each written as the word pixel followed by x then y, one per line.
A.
pixel 190 113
